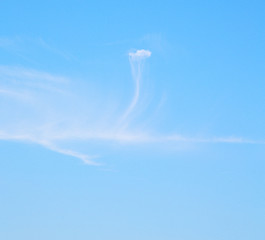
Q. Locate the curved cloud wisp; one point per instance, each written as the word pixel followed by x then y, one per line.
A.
pixel 136 61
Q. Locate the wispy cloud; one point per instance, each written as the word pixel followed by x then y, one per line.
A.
pixel 49 144
pixel 54 111
pixel 22 46
pixel 22 74
pixel 85 158
pixel 136 61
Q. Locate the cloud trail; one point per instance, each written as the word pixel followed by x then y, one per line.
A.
pixel 136 61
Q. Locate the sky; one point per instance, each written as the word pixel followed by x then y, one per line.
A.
pixel 132 120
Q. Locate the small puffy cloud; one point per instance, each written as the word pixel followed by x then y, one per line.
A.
pixel 140 54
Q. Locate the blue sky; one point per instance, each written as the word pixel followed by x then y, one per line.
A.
pixel 139 120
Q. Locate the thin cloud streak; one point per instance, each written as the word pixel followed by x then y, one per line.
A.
pixel 49 145
pixel 122 138
pixel 85 158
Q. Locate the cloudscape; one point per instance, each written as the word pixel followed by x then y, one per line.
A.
pixel 132 120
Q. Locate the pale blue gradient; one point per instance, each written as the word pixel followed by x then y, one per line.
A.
pixel 178 156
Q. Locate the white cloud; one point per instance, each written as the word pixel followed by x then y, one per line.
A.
pixel 140 54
